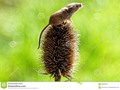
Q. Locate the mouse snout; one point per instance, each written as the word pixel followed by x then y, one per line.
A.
pixel 79 5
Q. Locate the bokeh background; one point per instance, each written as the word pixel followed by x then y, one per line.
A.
pixel 98 27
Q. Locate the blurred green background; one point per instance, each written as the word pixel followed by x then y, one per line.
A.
pixel 98 27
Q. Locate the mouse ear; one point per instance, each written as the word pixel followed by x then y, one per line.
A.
pixel 69 6
pixel 70 9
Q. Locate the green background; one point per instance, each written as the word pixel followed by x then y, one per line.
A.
pixel 98 27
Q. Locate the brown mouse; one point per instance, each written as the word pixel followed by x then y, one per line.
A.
pixel 61 16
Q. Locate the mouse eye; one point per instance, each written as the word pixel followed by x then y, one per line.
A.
pixel 76 5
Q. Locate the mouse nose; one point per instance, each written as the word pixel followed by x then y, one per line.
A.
pixel 79 5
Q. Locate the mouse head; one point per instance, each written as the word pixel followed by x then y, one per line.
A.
pixel 73 7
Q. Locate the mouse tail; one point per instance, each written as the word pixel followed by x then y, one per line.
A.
pixel 41 36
